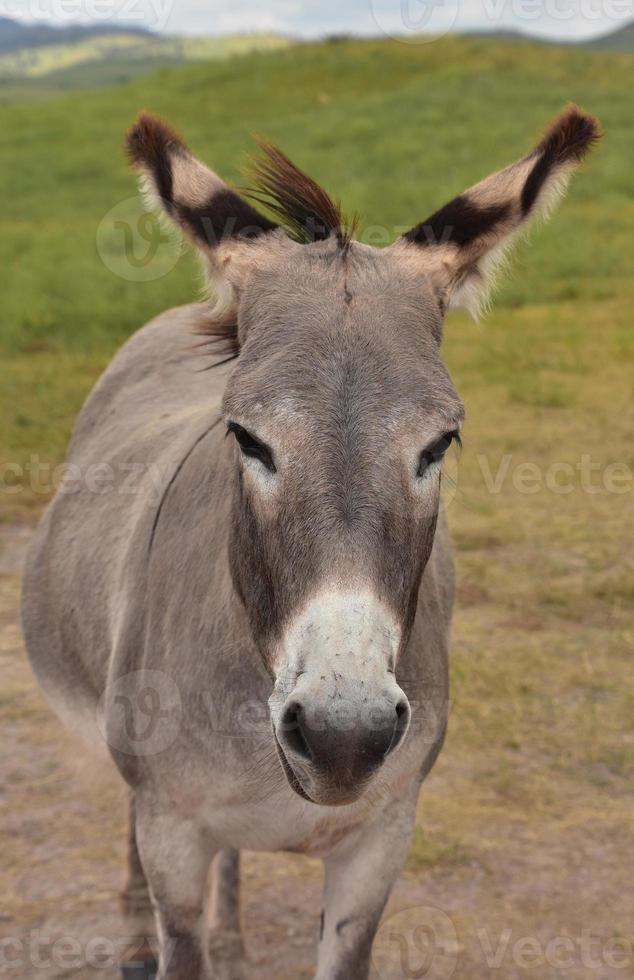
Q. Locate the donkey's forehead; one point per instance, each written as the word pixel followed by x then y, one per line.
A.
pixel 363 267
pixel 309 287
pixel 340 335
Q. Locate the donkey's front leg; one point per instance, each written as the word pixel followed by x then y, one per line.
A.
pixel 360 875
pixel 227 947
pixel 176 854
pixel 139 961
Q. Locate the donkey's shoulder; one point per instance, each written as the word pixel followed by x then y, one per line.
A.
pixel 157 376
pixel 168 340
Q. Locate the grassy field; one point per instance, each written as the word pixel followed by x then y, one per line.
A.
pixel 394 129
pixel 526 821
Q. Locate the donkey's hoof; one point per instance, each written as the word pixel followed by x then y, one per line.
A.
pixel 226 949
pixel 139 970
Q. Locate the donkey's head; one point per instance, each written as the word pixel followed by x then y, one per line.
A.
pixel 341 411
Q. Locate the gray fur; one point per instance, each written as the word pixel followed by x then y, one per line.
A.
pixel 100 605
pixel 206 616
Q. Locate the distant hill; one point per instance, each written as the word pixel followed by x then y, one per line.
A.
pixel 87 57
pixel 508 34
pixel 15 35
pixel 34 57
pixel 619 40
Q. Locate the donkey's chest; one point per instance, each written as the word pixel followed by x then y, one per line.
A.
pixel 285 824
pixel 252 806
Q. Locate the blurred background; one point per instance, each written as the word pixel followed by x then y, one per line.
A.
pixel 521 864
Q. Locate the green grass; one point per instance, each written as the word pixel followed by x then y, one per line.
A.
pixel 539 758
pixel 394 129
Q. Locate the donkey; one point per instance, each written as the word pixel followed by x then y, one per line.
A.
pixel 256 626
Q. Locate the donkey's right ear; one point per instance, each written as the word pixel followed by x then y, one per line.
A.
pixel 461 245
pixel 191 194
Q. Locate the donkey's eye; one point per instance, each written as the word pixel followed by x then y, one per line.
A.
pixel 435 453
pixel 250 446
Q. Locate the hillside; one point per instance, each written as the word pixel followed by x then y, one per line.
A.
pixel 103 57
pixel 37 59
pixel 620 40
pixel 16 35
pixel 394 129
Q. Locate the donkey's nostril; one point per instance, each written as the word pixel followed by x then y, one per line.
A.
pixel 291 729
pixel 403 714
pixel 402 710
pixel 343 745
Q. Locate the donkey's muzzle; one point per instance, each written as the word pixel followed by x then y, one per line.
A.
pixel 334 748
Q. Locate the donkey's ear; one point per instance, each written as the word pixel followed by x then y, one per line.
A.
pixel 463 244
pixel 194 197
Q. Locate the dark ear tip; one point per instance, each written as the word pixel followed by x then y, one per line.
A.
pixel 572 134
pixel 586 125
pixel 150 137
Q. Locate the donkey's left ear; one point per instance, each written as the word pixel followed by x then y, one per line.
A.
pixel 462 244
pixel 193 196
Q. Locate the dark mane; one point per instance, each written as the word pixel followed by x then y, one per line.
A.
pixel 306 212
pixel 220 331
pixel 304 208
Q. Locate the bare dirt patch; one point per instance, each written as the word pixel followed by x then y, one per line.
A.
pixel 520 868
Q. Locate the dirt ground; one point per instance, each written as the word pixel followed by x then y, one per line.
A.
pixel 486 893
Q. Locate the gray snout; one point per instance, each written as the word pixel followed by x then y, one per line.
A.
pixel 311 737
pixel 341 740
pixel 336 708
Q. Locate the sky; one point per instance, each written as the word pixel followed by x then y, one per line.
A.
pixel 555 19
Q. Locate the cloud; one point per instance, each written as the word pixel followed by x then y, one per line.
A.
pixel 556 19
pixel 560 19
pixel 227 17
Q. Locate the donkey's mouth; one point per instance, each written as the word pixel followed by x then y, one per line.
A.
pixel 289 772
pixel 332 795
